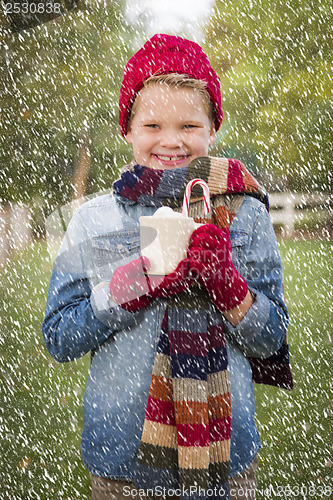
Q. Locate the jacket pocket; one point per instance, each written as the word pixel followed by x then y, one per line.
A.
pixel 239 244
pixel 114 249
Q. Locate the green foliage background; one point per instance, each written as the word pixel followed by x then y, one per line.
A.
pixel 57 81
pixel 274 58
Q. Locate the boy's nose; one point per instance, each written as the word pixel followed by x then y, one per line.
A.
pixel 171 139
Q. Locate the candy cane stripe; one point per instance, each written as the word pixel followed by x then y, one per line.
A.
pixel 187 195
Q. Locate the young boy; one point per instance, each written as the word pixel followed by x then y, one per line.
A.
pixel 169 354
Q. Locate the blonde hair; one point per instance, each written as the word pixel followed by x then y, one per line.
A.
pixel 178 81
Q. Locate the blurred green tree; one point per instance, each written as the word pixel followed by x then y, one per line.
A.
pixel 274 58
pixel 59 110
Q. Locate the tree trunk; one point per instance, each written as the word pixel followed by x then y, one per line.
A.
pixel 82 170
pixel 5 243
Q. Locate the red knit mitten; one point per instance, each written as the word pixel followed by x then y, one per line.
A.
pixel 133 289
pixel 210 257
pixel 129 286
pixel 173 283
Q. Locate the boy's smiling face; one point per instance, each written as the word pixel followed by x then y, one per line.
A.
pixel 170 127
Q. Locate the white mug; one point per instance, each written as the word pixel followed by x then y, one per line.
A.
pixel 164 239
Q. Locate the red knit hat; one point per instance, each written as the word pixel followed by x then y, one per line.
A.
pixel 164 54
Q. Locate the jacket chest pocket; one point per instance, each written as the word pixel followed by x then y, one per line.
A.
pixel 115 249
pixel 239 244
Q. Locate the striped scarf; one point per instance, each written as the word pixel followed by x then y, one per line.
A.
pixel 186 435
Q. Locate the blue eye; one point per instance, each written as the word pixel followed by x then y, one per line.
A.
pixel 151 125
pixel 190 126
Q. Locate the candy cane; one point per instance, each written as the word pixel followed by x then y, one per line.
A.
pixel 187 195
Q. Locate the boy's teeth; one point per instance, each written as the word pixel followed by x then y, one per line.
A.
pixel 170 158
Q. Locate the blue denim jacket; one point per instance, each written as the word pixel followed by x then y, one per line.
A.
pixel 81 317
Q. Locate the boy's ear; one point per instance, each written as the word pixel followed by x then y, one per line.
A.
pixel 212 135
pixel 128 137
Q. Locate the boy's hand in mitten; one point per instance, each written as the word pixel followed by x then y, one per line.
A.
pixel 173 283
pixel 133 289
pixel 129 285
pixel 210 257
